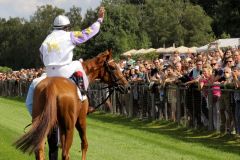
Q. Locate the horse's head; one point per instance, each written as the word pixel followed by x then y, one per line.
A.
pixel 110 73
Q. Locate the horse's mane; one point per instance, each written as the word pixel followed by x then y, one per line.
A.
pixel 102 56
pixel 96 62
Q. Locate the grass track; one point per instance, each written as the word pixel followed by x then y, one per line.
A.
pixel 116 138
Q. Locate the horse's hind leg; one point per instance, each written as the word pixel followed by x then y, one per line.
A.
pixel 53 144
pixel 39 154
pixel 81 127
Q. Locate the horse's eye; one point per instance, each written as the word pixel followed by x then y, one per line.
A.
pixel 113 68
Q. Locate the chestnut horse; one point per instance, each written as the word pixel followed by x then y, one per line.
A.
pixel 56 102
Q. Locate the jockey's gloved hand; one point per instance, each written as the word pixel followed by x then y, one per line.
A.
pixel 101 12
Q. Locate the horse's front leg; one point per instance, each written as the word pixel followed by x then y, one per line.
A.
pixel 39 153
pixel 81 126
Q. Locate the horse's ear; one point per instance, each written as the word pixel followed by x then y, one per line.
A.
pixel 109 53
pixel 110 50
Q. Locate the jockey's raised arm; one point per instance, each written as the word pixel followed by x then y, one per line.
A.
pixel 79 37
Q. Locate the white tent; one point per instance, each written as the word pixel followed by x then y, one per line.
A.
pixel 130 52
pixel 161 50
pixel 182 49
pixel 170 49
pixel 140 51
pixel 149 50
pixel 231 42
pixel 192 50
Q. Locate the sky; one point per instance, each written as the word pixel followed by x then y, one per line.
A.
pixel 26 8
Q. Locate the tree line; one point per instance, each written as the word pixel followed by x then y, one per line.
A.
pixel 128 24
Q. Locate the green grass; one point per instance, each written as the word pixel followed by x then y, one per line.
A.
pixel 116 138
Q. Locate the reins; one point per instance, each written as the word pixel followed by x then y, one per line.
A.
pixel 110 93
pixel 111 88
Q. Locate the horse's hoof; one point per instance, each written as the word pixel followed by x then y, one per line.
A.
pixel 91 109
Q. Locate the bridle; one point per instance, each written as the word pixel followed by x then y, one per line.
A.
pixel 113 77
pixel 114 85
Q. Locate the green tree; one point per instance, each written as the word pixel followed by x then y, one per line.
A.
pixel 12 42
pixel 197 26
pixel 176 21
pixel 120 31
pixel 75 17
pixel 225 15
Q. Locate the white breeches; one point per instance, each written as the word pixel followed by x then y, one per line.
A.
pixel 65 70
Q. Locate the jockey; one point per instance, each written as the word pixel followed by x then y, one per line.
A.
pixel 57 52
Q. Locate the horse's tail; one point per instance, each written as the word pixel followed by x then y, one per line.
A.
pixel 42 124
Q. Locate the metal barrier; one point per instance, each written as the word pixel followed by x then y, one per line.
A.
pixel 186 105
pixel 14 88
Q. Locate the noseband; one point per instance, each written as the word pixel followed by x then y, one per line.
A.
pixel 113 77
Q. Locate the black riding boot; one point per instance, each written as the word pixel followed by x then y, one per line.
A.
pixel 53 144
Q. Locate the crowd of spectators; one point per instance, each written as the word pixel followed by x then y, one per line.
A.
pixel 214 69
pixel 21 75
pixel 184 69
pixel 16 83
